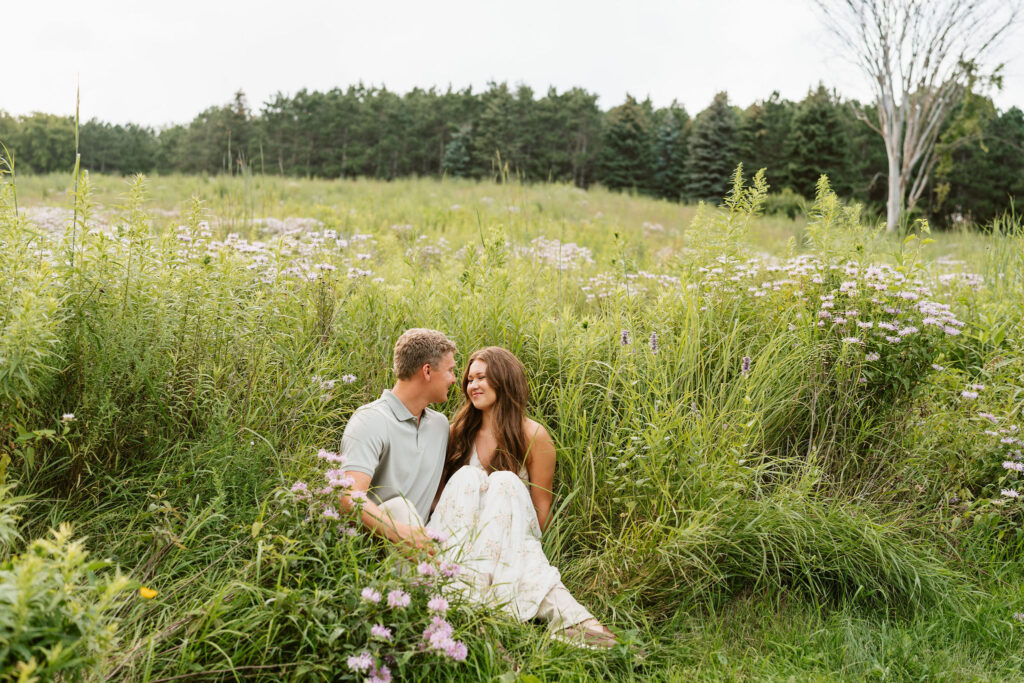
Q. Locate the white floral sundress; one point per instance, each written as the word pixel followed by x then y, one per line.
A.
pixel 493 534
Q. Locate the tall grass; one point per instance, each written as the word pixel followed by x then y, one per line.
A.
pixel 204 372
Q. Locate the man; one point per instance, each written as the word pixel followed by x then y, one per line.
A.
pixel 396 445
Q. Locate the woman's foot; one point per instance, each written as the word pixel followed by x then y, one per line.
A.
pixel 590 634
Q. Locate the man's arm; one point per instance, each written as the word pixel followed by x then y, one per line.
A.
pixel 379 522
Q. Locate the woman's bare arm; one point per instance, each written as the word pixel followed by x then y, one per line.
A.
pixel 540 465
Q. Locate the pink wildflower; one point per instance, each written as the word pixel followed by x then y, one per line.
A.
pixel 370 594
pixel 380 631
pixel 438 604
pixel 398 598
pixel 361 662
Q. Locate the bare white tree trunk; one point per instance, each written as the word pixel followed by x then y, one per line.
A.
pixel 920 56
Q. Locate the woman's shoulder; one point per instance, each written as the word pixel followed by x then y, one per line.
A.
pixel 534 429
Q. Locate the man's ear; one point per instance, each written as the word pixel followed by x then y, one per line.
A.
pixel 425 372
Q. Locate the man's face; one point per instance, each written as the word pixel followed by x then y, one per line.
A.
pixel 442 377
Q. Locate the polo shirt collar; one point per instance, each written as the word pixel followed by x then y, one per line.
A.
pixel 397 407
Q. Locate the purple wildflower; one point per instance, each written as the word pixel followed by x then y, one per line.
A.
pixel 625 339
pixel 654 342
pixel 370 594
pixel 745 366
pixel 438 604
pixel 380 631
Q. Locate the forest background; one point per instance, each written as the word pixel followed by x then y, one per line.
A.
pixel 370 131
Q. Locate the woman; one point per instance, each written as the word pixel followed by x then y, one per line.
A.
pixel 495 500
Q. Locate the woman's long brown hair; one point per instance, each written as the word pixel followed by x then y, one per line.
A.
pixel 507 377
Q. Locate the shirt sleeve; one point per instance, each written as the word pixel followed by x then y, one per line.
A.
pixel 363 443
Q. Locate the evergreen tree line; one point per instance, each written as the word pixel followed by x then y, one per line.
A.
pixel 372 132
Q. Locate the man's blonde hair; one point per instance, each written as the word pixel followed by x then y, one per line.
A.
pixel 418 347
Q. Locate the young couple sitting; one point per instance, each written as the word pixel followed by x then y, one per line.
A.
pixel 484 482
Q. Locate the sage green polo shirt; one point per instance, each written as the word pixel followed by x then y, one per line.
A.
pixel 383 440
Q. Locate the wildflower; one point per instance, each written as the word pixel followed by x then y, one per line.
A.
pixel 893 340
pixel 370 595
pixel 1015 466
pixel 348 379
pixel 426 569
pixel 380 631
pixel 358 497
pixel 361 662
pixel 872 357
pixel 438 604
pixel 1019 616
pixel 851 340
pixel 866 325
pixel 338 479
pixel 438 536
pixel 67 417
pixel 910 329
pixel 147 593
pixel 990 417
pixel 745 367
pixel 331 513
pixel 937 367
pixel 300 489
pixel 1009 493
pixel 331 456
pixel 456 650
pixel 887 326
pixel 438 626
pixel 398 598
pixel 381 675
pixel 654 342
pixel 450 569
pixel 969 395
pixel 951 331
pixel 625 339
pixel 978 387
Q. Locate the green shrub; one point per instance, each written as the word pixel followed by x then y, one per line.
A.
pixel 56 606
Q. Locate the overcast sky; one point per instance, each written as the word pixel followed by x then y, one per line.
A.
pixel 160 63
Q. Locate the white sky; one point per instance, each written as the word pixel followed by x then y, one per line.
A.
pixel 159 63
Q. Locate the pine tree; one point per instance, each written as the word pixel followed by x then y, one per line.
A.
pixel 669 154
pixel 817 144
pixel 712 151
pixel 625 160
pixel 457 160
pixel 983 177
pixel 761 137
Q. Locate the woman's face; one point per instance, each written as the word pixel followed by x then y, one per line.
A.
pixel 481 393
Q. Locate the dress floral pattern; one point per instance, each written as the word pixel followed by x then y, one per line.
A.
pixel 493 534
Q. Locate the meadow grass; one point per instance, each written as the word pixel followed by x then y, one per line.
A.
pixel 742 492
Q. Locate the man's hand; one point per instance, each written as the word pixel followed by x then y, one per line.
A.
pixel 413 538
